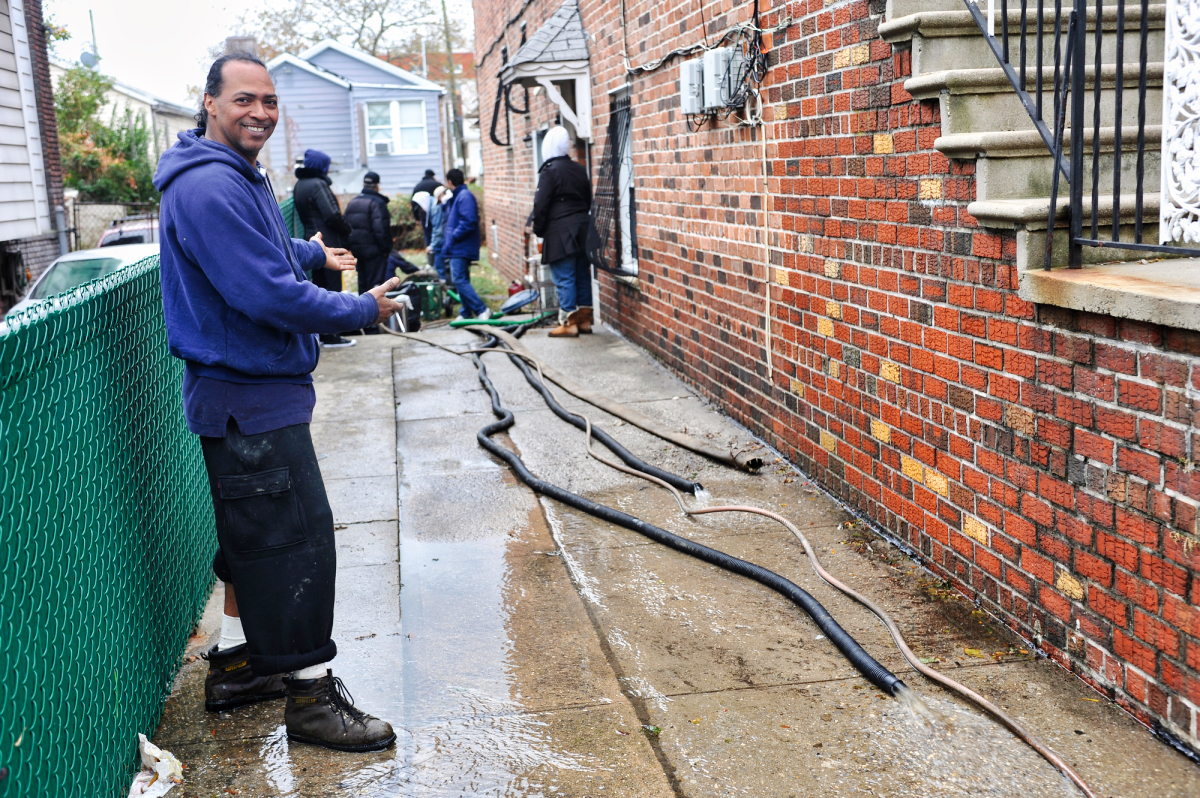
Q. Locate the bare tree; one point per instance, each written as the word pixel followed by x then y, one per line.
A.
pixel 372 26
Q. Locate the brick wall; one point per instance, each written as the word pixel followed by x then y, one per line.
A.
pixel 1041 459
pixel 47 122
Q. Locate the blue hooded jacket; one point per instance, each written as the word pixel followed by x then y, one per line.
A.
pixel 461 238
pixel 236 303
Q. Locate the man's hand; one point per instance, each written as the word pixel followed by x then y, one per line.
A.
pixel 336 258
pixel 386 306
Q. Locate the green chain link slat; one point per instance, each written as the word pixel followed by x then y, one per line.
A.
pixel 107 534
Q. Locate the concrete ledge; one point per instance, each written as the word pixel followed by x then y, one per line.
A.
pixel 1164 292
pixel 992 80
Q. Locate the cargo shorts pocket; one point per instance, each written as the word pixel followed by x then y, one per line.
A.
pixel 262 512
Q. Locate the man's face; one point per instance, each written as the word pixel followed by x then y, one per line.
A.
pixel 243 116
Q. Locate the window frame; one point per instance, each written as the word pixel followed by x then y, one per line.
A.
pixel 395 142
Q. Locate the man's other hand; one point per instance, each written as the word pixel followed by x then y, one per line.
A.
pixel 386 306
pixel 336 258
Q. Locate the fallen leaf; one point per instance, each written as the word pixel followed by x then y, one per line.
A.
pixel 782 726
pixel 1095 700
pixel 623 733
pixel 973 652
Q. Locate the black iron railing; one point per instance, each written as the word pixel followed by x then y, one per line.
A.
pixel 1046 33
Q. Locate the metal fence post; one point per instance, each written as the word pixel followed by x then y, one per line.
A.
pixel 1075 232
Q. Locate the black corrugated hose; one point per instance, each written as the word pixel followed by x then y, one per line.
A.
pixel 875 673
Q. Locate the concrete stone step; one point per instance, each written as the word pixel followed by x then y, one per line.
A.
pixel 903 8
pixel 949 40
pixel 983 99
pixel 1030 217
pixel 1017 165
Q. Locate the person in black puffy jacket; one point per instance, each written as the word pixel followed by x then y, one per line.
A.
pixel 370 233
pixel 319 211
pixel 560 217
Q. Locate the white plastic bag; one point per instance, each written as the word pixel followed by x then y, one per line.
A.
pixel 160 771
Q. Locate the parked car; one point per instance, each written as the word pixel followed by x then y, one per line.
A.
pixel 76 268
pixel 140 228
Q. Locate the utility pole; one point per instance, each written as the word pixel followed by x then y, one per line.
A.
pixel 455 106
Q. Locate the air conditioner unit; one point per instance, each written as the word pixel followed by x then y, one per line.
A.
pixel 717 77
pixel 691 87
pixel 383 148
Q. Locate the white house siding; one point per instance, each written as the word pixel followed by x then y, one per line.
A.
pixel 24 207
pixel 315 114
pixel 399 173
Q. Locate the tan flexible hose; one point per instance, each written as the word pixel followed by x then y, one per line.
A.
pixel 746 459
pixel 950 684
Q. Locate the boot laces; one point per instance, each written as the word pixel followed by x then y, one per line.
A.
pixel 342 701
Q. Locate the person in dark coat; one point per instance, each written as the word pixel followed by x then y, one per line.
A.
pixel 320 213
pixel 370 233
pixel 426 184
pixel 560 217
pixel 460 245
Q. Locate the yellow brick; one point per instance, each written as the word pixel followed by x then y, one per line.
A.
pixel 860 54
pixel 889 371
pixel 828 442
pixel 937 483
pixel 781 277
pixel 881 431
pixel 833 269
pixel 1069 586
pixel 929 189
pixel 1020 419
pixel 833 369
pixel 974 528
pixel 798 388
pixel 806 244
pixel 912 469
pixel 825 327
pixel 884 145
pixel 841 59
pixel 833 310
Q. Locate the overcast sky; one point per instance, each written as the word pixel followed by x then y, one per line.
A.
pixel 160 46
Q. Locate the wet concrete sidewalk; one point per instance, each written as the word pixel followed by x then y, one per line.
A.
pixel 524 649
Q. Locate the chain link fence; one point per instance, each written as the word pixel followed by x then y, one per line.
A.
pixel 91 219
pixel 108 535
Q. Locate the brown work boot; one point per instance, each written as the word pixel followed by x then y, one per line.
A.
pixel 584 320
pixel 566 326
pixel 231 684
pixel 322 712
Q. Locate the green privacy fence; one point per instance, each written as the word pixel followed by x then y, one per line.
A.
pixel 107 535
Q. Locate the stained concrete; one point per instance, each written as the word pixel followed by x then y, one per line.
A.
pixel 522 648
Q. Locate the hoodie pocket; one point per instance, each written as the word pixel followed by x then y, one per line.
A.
pixel 261 512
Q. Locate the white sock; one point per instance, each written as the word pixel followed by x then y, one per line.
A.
pixel 231 633
pixel 311 672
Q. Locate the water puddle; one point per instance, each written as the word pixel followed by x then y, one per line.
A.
pixel 449 686
pixel 932 746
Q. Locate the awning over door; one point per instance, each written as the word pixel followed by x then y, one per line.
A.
pixel 556 58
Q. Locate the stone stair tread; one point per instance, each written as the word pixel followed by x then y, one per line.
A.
pixel 962 23
pixel 1028 143
pixel 1033 213
pixel 992 80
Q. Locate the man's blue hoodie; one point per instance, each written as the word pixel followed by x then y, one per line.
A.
pixel 237 306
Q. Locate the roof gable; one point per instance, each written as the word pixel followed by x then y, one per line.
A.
pixel 287 59
pixel 561 38
pixel 389 74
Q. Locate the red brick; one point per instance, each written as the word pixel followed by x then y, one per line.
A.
pixel 1140 592
pixel 1038 566
pixel 1165 574
pixel 1146 466
pixel 1130 650
pixel 1116 358
pixel 1093 446
pixel 1171 441
pixel 1093 568
pixel 1139 396
pixel 1157 634
pixel 1137 528
pixel 1116 423
pixel 1117 550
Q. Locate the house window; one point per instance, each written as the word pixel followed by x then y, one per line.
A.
pixel 397 127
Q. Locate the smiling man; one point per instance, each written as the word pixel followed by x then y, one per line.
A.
pixel 241 315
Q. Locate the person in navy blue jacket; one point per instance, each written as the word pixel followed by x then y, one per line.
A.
pixel 460 245
pixel 244 320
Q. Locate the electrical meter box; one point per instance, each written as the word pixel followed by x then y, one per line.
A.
pixel 691 87
pixel 717 77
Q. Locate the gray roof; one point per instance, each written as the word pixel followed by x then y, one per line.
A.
pixel 560 39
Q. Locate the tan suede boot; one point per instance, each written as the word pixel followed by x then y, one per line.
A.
pixel 567 328
pixel 584 322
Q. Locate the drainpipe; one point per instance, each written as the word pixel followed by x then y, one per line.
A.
pixel 60 221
